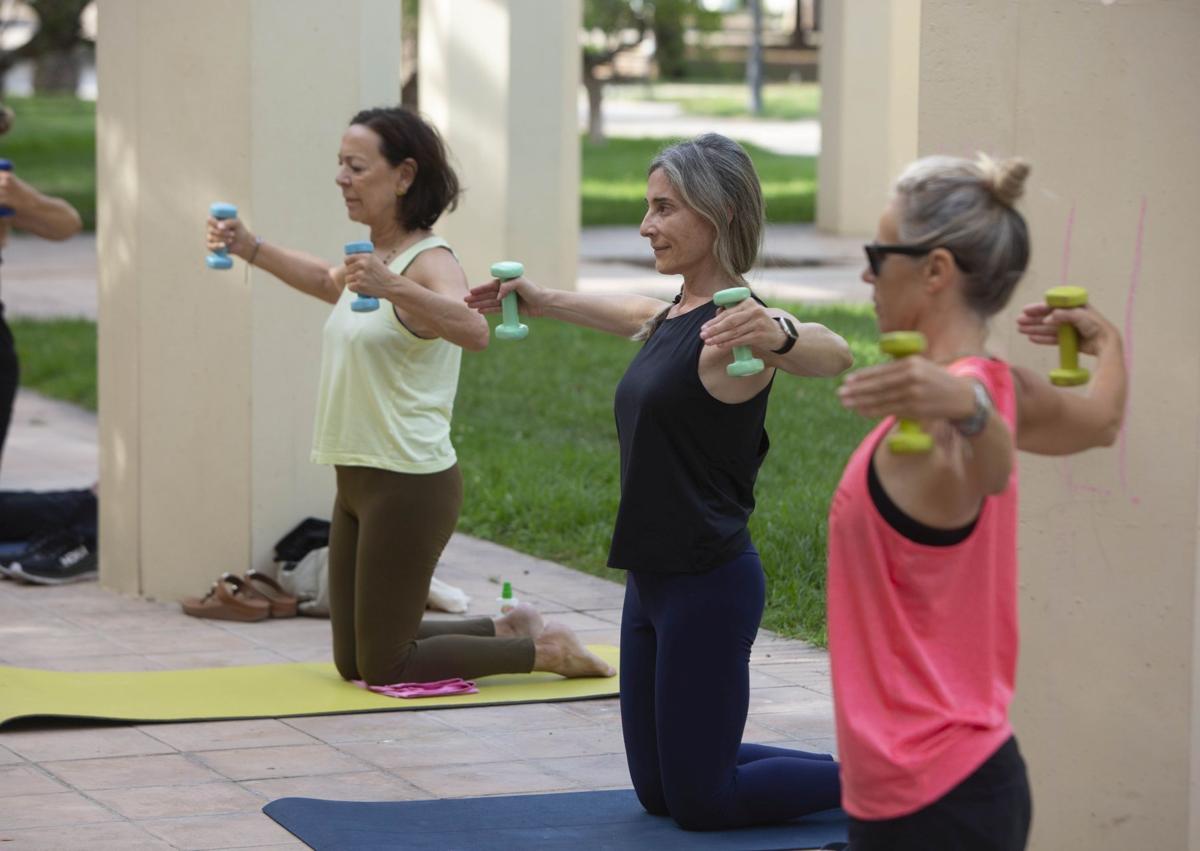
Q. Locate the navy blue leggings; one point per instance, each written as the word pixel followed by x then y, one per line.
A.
pixel 685 689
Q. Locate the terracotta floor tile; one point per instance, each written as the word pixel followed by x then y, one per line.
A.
pixel 155 802
pixel 224 735
pixel 63 808
pixel 372 726
pixel 525 716
pixel 497 778
pixel 240 830
pixel 61 743
pixel 131 771
pixel 360 786
pixel 16 780
pixel 108 836
pixel 547 744
pixel 605 771
pixel 288 761
pixel 403 755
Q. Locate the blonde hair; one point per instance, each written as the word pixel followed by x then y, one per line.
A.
pixel 966 207
pixel 715 177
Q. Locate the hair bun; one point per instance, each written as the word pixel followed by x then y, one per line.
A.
pixel 1005 179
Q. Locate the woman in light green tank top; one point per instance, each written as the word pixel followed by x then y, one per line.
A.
pixel 388 380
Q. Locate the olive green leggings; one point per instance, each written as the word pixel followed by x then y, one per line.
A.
pixel 388 531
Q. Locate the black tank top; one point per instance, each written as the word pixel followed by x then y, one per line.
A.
pixel 688 461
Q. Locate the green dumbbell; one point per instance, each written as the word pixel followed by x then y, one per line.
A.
pixel 744 362
pixel 911 439
pixel 510 328
pixel 1069 372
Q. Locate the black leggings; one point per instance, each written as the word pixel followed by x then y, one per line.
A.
pixel 387 533
pixel 989 811
pixel 10 374
pixel 685 690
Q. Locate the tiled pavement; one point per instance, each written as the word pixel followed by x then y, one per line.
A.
pixel 67 785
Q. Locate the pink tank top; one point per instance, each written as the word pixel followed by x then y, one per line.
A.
pixel 922 639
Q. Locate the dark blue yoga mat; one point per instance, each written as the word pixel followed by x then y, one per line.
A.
pixel 574 821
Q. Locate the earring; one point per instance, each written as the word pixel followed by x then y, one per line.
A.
pixel 400 192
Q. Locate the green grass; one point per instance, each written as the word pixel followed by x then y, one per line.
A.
pixel 58 358
pixel 781 101
pixel 53 146
pixel 613 189
pixel 535 436
pixel 541 465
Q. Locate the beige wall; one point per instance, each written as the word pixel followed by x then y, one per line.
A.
pixel 207 379
pixel 869 65
pixel 500 80
pixel 1103 99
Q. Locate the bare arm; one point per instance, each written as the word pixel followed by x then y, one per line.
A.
pixel 816 352
pixel 622 315
pixel 307 273
pixel 1059 421
pixel 428 297
pixel 33 211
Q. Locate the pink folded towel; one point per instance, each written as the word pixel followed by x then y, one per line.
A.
pixel 456 685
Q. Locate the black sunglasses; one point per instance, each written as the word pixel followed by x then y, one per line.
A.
pixel 876 252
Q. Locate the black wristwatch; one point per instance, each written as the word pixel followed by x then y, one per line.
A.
pixel 790 330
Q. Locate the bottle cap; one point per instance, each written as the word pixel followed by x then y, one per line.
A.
pixel 506 592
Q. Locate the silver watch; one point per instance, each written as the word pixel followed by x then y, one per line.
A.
pixel 977 422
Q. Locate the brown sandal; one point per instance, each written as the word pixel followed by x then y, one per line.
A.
pixel 226 603
pixel 282 604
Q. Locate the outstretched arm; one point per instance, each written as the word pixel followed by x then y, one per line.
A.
pixel 40 214
pixel 622 315
pixel 1057 421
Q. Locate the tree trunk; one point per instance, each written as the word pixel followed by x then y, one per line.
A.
pixel 754 60
pixel 57 72
pixel 595 93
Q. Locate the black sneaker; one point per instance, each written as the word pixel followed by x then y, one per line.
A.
pixel 56 560
pixel 30 549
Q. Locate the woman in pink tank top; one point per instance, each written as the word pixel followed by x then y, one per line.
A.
pixel 922 547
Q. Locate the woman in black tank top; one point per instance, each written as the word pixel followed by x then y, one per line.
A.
pixel 692 438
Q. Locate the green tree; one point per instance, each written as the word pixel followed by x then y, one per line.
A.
pixel 59 48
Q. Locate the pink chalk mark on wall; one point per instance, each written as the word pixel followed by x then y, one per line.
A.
pixel 1069 484
pixel 1135 280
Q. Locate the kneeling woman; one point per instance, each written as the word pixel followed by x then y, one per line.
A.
pixel 923 547
pixel 692 439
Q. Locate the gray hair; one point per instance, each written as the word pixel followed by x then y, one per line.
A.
pixel 967 208
pixel 715 177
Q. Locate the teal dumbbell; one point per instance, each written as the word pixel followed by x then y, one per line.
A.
pixel 744 362
pixel 364 303
pixel 510 327
pixel 219 258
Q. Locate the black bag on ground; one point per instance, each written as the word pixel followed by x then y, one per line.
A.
pixel 296 544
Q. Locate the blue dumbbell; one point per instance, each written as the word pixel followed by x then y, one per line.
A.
pixel 5 212
pixel 219 258
pixel 364 303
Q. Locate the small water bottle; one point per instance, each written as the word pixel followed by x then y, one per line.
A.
pixel 506 601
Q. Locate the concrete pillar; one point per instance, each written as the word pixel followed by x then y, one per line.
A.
pixel 869 63
pixel 500 79
pixel 208 379
pixel 1101 98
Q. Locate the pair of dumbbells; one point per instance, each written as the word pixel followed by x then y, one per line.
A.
pixel 219 257
pixel 910 438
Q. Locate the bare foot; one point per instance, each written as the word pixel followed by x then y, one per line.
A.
pixel 522 621
pixel 560 651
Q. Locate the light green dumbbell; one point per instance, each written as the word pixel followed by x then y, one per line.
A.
pixel 911 439
pixel 1069 372
pixel 510 327
pixel 744 362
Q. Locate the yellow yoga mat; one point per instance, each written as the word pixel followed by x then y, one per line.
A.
pixel 256 691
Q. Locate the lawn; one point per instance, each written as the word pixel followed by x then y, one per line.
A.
pixel 613 189
pixel 781 101
pixel 540 458
pixel 53 145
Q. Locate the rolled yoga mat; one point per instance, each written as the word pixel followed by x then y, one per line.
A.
pixel 611 820
pixel 256 691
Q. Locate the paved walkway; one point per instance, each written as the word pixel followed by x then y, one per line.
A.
pixel 201 785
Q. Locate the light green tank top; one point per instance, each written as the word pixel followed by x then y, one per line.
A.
pixel 386 396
